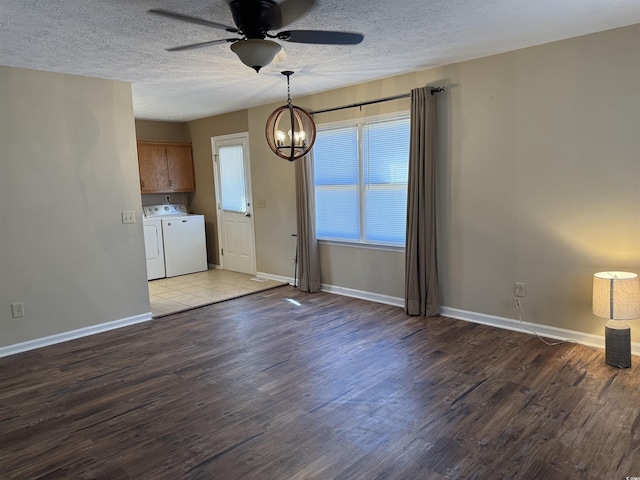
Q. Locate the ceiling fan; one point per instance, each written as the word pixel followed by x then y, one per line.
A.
pixel 254 20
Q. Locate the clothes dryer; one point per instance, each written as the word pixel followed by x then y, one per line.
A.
pixel 183 239
pixel 154 247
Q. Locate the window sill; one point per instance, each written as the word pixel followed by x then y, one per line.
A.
pixel 370 246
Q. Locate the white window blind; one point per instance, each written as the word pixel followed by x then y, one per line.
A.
pixel 233 196
pixel 361 181
pixel 337 180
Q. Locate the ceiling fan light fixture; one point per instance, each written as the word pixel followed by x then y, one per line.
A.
pixel 256 52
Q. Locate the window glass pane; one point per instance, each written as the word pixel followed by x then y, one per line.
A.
pixel 386 169
pixel 232 195
pixel 385 215
pixel 337 213
pixel 335 155
pixel 386 150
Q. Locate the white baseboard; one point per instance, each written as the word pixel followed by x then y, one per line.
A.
pixel 374 297
pixel 468 316
pixel 277 278
pixel 347 292
pixel 546 331
pixel 73 334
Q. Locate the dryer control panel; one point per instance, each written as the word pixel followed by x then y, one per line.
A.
pixel 164 210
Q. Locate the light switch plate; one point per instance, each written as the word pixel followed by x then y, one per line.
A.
pixel 129 216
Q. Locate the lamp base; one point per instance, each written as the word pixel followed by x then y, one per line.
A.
pixel 617 340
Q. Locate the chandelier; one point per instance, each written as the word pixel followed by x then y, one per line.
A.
pixel 296 122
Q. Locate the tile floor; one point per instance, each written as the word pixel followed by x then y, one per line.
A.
pixel 175 294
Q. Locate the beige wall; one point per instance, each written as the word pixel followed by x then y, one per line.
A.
pixel 69 168
pixel 273 183
pixel 541 184
pixel 152 131
pixel 538 179
pixel 203 201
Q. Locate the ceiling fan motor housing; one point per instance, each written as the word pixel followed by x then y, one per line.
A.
pixel 255 18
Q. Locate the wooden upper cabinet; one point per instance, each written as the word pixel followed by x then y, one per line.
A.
pixel 165 167
pixel 152 164
pixel 180 167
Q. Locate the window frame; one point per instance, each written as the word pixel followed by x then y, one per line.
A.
pixel 359 123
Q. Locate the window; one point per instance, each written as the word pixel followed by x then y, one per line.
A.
pixel 361 172
pixel 232 196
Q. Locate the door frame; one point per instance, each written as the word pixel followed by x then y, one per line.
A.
pixel 243 138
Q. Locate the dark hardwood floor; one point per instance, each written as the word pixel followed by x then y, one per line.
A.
pixel 336 388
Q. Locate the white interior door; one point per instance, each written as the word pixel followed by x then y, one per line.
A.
pixel 233 197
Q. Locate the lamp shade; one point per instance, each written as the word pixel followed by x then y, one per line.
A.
pixel 616 295
pixel 256 52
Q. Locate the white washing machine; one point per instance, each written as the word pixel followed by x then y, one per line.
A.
pixel 183 240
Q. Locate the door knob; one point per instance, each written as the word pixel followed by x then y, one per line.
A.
pixel 247 214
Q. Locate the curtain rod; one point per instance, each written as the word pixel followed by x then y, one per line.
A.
pixel 370 102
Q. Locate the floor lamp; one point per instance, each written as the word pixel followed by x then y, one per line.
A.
pixel 616 296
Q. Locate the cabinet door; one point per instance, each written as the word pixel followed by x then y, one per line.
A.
pixel 154 172
pixel 180 168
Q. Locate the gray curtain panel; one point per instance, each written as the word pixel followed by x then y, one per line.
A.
pixel 421 296
pixel 308 256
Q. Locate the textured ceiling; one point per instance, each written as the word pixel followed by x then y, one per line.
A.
pixel 119 40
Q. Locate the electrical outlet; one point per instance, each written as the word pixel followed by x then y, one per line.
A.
pixel 129 216
pixel 519 289
pixel 17 309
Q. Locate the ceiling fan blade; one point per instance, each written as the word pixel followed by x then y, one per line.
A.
pixel 291 10
pixel 190 19
pixel 325 37
pixel 201 44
